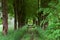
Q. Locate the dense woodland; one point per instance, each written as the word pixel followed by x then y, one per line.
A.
pixel 33 19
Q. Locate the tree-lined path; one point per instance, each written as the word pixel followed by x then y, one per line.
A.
pixel 29 19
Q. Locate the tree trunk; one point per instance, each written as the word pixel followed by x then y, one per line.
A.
pixel 5 16
pixel 34 21
pixel 15 21
pixel 20 13
pixel 15 15
pixel 19 20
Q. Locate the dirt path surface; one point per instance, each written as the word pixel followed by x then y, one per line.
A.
pixel 30 35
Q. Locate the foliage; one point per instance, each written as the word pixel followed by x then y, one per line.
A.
pixel 0 21
pixel 52 31
pixel 31 8
pixel 10 7
pixel 14 35
pixel 20 33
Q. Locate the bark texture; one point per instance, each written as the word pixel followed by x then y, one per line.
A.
pixel 5 16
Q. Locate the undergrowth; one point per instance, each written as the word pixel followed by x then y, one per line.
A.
pixel 49 34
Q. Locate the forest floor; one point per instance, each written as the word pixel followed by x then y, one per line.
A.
pixel 29 37
pixel 10 35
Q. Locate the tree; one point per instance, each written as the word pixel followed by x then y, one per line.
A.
pixel 21 8
pixel 41 17
pixel 5 16
pixel 15 14
pixel 19 12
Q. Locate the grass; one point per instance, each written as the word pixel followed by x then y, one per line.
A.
pixel 24 34
pixel 9 36
pixel 12 35
pixel 20 34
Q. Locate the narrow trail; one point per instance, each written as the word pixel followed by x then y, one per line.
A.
pixel 30 35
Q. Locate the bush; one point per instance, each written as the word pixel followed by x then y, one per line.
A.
pixel 20 33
